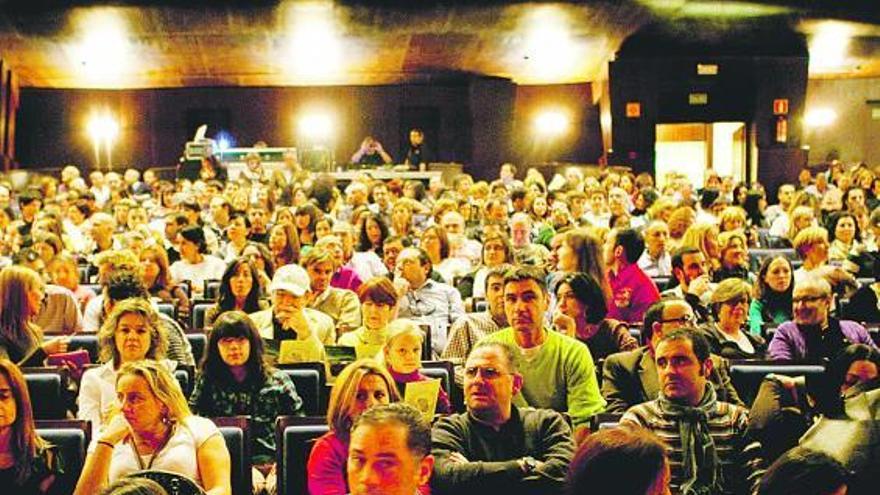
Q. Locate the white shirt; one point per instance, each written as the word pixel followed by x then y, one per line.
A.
pixel 211 268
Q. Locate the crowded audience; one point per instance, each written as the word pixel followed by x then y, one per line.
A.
pixel 626 306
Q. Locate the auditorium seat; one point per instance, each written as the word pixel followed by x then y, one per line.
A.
pixel 295 437
pixel 211 289
pixel 47 388
pixel 198 341
pixel 186 377
pixel 167 309
pixel 310 383
pixel 445 371
pixel 237 434
pixel 747 376
pixel 605 421
pixel 86 341
pixel 199 309
pixel 71 437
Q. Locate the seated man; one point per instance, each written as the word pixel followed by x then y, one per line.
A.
pixel 630 378
pixel 289 319
pixel 690 269
pixel 472 327
pixel 371 153
pixel 814 335
pixel 341 305
pixel 496 445
pixel 705 435
pixel 655 261
pixel 631 290
pixel 426 300
pixel 389 452
pixel 558 371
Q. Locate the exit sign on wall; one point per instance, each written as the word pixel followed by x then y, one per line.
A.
pixel 780 106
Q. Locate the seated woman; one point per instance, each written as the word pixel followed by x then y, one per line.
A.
pixel 261 257
pixel 403 358
pixel 773 288
pixel 811 245
pixel 497 251
pixel 727 336
pixel 378 306
pixel 63 271
pixel 21 298
pixel 372 234
pixel 704 236
pixel 28 465
pixel 130 333
pixel 156 431
pixel 785 407
pixel 159 284
pixel 734 257
pixel 580 312
pixel 360 386
pixel 239 290
pixel 283 244
pixel 234 380
pixel 845 237
pixel 436 243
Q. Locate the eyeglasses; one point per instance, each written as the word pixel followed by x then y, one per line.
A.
pixel 806 299
pixel 488 373
pixel 681 319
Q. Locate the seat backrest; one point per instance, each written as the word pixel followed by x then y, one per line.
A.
pixel 198 341
pixel 198 315
pixel 71 438
pixel 236 434
pixel 89 342
pixel 167 309
pixel 47 392
pixel 211 289
pixel 747 377
pixel 309 387
pixel 427 353
pixel 186 377
pixel 295 447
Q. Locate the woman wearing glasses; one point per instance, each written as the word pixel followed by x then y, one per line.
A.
pixel 728 336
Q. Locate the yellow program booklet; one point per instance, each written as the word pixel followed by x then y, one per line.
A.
pixel 423 396
pixel 294 351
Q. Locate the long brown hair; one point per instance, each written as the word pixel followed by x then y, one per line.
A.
pixel 24 441
pixel 16 327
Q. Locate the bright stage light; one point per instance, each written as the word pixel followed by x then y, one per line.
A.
pixel 317 127
pixel 103 127
pixel 551 123
pixel 102 53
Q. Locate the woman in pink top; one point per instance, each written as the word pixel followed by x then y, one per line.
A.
pixel 360 386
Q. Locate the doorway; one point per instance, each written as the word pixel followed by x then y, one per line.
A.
pixel 694 148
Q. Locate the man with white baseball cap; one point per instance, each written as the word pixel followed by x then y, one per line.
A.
pixel 305 330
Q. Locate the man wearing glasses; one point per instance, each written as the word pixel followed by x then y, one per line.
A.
pixel 496 445
pixel 630 377
pixel 814 335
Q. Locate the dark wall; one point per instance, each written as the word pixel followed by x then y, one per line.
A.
pixel 470 121
pixel 742 91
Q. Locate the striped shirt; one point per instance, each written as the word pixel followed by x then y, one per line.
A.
pixel 727 426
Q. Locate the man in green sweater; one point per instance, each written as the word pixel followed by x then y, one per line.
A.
pixel 558 371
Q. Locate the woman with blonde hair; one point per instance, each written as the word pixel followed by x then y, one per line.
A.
pixel 811 245
pixel 360 386
pixel 21 299
pixel 680 220
pixel 130 333
pixel 704 236
pixel 28 465
pixel 734 259
pixel 728 336
pixel 156 431
pixel 801 218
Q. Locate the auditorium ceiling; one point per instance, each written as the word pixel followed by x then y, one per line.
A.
pixel 167 44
